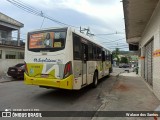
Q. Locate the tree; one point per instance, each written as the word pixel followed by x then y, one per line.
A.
pixel 124 60
pixel 115 55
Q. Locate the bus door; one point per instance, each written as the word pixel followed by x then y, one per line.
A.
pixel 84 63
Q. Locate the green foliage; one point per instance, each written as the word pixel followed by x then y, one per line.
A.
pixel 124 60
pixel 115 55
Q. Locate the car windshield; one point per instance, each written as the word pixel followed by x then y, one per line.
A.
pixel 46 40
pixel 19 65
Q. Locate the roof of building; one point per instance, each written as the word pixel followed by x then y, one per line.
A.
pixel 137 14
pixel 4 20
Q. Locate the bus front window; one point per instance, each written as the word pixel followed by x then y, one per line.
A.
pixel 46 40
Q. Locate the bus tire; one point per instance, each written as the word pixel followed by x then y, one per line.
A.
pixel 95 80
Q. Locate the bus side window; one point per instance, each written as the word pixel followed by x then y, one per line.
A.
pixel 94 53
pixel 84 52
pixel 111 58
pixel 99 53
pixel 107 55
pixel 90 52
pixel 103 56
pixel 76 47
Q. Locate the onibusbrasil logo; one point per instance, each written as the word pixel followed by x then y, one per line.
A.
pixel 21 113
pixel 7 113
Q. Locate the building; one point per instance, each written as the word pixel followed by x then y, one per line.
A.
pixel 142 24
pixel 11 49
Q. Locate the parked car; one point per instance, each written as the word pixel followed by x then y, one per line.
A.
pixel 125 66
pixel 17 71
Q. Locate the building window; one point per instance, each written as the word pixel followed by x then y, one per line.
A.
pixel 3 34
pixel 10 57
pixel 0 54
pixel 14 55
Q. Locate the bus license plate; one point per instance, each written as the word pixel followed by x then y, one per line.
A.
pixel 44 76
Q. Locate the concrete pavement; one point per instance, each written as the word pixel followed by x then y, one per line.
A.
pixel 5 78
pixel 120 92
pixel 131 74
pixel 129 93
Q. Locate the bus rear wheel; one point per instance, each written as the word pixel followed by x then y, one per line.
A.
pixel 95 80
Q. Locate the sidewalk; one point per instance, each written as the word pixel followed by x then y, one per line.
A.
pixel 131 74
pixel 129 93
pixel 5 78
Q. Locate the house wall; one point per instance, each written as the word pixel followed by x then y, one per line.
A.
pixel 8 35
pixel 141 62
pixel 152 31
pixel 6 63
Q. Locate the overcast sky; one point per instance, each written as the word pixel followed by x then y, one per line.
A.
pixel 101 16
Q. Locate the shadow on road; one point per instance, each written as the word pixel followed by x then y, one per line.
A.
pixel 62 95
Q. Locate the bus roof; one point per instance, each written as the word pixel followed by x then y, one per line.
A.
pixel 75 31
pixel 50 28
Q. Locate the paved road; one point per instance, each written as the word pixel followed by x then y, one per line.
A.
pixel 17 95
pixel 117 71
pixel 112 94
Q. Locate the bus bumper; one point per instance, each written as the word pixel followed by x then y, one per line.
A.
pixel 66 83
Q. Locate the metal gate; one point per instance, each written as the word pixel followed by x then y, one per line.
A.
pixel 148 63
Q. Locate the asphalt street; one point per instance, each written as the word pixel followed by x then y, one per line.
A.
pixel 14 94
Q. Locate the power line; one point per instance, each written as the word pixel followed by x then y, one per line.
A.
pixel 36 12
pixel 101 37
pixel 24 7
pixel 108 39
pixel 119 46
pixel 119 49
pixel 111 33
pixel 113 40
pixel 117 43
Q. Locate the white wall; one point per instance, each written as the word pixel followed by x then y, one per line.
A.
pixel 6 63
pixel 153 31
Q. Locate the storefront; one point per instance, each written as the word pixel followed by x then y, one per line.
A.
pixel 142 24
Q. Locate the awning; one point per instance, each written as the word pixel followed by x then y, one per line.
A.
pixel 137 14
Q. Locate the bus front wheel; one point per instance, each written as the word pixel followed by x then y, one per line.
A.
pixel 95 80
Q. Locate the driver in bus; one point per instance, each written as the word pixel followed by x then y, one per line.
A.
pixel 48 41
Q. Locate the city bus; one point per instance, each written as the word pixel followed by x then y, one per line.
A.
pixel 64 58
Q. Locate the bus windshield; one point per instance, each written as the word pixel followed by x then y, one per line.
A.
pixel 46 40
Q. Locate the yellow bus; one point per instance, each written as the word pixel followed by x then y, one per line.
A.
pixel 64 58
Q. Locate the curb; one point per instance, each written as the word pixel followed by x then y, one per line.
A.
pixel 116 79
pixel 6 81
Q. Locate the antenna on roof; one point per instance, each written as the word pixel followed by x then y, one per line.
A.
pixel 87 31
